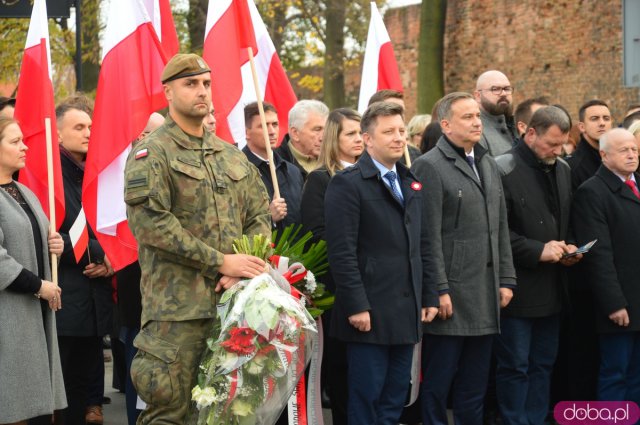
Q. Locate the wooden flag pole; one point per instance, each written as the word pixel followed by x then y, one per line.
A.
pixel 52 205
pixel 407 157
pixel 265 133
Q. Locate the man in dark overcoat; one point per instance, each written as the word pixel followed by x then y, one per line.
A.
pixel 373 232
pixel 607 207
pixel 537 187
pixel 469 258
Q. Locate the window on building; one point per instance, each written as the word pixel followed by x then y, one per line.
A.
pixel 631 46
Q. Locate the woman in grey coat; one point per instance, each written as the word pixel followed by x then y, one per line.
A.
pixel 30 374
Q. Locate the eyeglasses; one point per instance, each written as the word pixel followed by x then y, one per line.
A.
pixel 497 90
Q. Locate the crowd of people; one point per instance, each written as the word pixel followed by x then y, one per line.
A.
pixel 453 241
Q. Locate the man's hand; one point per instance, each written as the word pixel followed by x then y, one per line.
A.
pixel 278 209
pixel 428 314
pixel 552 251
pixel 226 282
pixel 570 261
pixel 95 270
pixel 505 296
pixel 56 244
pixel 242 265
pixel 107 263
pixel 446 308
pixel 361 321
pixel 620 317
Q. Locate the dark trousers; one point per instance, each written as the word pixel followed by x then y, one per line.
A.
pixel 619 377
pixel 78 356
pixel 127 335
pixel 582 344
pixel 40 420
pixel 526 351
pixel 96 386
pixel 379 379
pixel 459 364
pixel 335 369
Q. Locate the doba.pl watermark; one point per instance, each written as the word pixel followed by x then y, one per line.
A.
pixel 596 413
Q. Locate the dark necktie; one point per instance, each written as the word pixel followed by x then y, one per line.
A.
pixel 633 187
pixel 391 178
pixel 472 163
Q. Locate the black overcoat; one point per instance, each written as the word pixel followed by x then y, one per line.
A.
pixel 606 209
pixel 532 223
pixel 87 303
pixel 374 246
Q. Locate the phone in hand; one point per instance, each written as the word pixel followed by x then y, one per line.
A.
pixel 582 250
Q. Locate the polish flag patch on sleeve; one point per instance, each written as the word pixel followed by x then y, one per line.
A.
pixel 142 153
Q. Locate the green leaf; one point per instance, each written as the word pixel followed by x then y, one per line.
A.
pixel 315 312
pixel 325 302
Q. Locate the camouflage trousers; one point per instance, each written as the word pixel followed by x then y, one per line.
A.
pixel 165 369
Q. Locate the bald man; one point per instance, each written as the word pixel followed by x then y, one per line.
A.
pixel 494 94
pixel 155 120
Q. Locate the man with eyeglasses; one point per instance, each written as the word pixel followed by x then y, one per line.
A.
pixel 494 94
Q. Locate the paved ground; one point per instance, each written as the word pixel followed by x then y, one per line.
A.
pixel 116 412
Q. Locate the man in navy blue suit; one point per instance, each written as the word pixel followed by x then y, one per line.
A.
pixel 375 245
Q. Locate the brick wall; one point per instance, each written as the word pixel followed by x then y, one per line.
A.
pixel 568 50
pixel 403 25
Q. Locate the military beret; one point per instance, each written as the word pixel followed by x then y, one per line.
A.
pixel 184 65
pixel 4 101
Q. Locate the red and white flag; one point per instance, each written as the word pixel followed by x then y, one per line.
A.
pixel 34 103
pixel 129 90
pixel 380 69
pixel 79 235
pixel 162 19
pixel 231 94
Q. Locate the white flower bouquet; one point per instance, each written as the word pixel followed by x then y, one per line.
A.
pixel 249 372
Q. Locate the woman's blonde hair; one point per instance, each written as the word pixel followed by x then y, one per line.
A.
pixel 4 123
pixel 330 150
pixel 635 128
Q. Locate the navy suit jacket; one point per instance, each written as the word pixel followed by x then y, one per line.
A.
pixel 375 253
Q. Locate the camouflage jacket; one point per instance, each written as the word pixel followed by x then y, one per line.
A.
pixel 186 203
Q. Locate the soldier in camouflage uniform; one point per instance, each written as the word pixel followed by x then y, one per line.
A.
pixel 188 195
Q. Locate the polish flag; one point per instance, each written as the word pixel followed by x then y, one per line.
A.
pixel 34 103
pixel 79 235
pixel 229 100
pixel 380 69
pixel 129 90
pixel 162 19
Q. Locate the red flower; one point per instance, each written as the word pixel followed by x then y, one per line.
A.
pixel 241 341
pixel 265 350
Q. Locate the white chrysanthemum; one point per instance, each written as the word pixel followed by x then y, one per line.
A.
pixel 241 408
pixel 310 283
pixel 203 397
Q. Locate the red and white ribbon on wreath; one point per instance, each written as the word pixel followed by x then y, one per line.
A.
pixel 294 273
pixel 304 409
